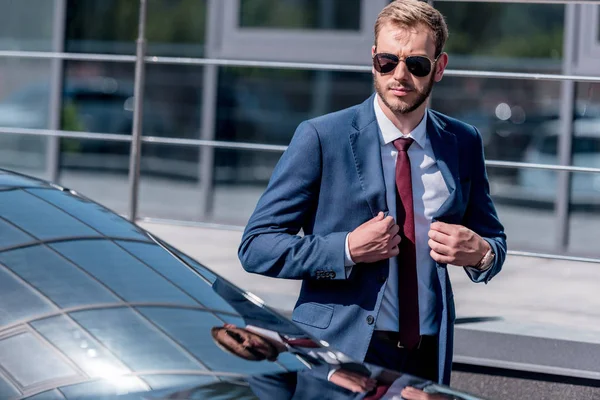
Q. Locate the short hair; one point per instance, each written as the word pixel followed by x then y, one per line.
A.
pixel 412 13
pixel 214 333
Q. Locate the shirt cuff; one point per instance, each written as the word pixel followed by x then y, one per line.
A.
pixel 331 372
pixel 348 263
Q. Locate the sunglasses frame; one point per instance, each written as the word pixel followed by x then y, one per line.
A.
pixel 431 62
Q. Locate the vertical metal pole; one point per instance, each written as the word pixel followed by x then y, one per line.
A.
pixel 208 114
pixel 136 134
pixel 56 90
pixel 565 142
pixel 322 83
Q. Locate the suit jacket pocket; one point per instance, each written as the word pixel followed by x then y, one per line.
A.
pixel 313 314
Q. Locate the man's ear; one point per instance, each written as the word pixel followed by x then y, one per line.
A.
pixel 440 66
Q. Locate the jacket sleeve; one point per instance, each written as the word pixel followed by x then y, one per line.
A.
pixel 270 244
pixel 481 216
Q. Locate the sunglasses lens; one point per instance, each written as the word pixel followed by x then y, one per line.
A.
pixel 385 63
pixel 418 66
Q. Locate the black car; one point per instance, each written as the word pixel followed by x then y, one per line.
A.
pixel 92 306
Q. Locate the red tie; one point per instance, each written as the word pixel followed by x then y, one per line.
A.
pixel 408 298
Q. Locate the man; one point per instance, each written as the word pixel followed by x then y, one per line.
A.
pixel 388 194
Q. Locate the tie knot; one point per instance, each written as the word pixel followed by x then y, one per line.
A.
pixel 402 144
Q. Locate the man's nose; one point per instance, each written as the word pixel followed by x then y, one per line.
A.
pixel 401 72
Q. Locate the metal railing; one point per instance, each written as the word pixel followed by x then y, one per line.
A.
pixel 141 59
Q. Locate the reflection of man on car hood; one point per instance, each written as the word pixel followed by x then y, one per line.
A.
pixel 256 344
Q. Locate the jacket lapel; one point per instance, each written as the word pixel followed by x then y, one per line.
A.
pixel 445 149
pixel 366 149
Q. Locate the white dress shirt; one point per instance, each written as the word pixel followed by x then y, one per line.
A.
pixel 429 193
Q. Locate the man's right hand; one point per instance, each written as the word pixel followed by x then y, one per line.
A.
pixel 375 240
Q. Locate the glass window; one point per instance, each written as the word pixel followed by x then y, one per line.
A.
pixel 23 106
pixel 43 363
pixel 11 236
pixel 7 390
pixel 39 218
pixel 58 279
pixel 98 217
pixel 526 208
pixel 191 329
pixel 267 105
pixel 173 28
pixel 301 14
pixel 26 25
pixel 134 340
pixel 523 37
pixel 121 272
pixel 18 300
pixel 98 98
pixel 180 274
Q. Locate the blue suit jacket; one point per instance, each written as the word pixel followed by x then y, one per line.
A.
pixel 330 181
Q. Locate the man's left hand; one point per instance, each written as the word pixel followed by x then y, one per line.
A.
pixel 456 245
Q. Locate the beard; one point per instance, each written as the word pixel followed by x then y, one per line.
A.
pixel 404 107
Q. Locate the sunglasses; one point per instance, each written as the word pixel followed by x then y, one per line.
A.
pixel 240 340
pixel 419 66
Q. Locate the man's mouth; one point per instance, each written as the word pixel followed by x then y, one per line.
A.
pixel 400 91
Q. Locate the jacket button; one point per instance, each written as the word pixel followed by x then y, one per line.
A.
pixel 370 320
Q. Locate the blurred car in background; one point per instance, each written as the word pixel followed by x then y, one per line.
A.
pixel 92 306
pixel 542 184
pixel 99 105
pixel 513 133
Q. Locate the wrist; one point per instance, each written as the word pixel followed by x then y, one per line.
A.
pixel 487 259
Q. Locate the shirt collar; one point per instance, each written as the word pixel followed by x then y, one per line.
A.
pixel 389 132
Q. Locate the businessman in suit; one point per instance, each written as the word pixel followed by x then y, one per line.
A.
pixel 388 194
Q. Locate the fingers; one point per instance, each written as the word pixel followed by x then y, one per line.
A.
pixel 394 230
pixel 440 248
pixel 440 258
pixel 442 227
pixel 440 237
